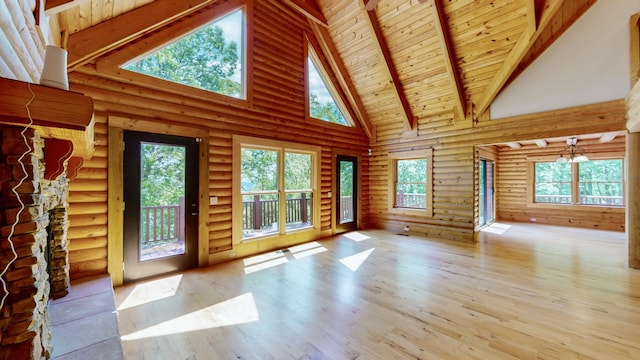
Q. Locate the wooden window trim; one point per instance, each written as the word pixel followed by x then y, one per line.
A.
pixel 574 186
pixel 405 155
pixel 240 141
pixel 110 64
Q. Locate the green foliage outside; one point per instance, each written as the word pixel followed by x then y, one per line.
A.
pixel 322 109
pixel 597 178
pixel 162 174
pixel 346 178
pixel 411 187
pixel 204 59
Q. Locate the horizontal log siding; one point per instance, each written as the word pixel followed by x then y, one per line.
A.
pixel 454 166
pixel 276 112
pixel 512 186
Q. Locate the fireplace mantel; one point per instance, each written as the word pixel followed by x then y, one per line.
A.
pixel 56 113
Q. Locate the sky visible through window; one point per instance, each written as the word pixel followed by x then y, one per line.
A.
pixel 321 104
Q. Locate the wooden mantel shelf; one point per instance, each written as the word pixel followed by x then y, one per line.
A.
pixel 55 113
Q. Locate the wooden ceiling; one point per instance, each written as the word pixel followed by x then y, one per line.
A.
pixel 406 65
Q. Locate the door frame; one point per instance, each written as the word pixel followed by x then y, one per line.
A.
pixel 334 188
pixel 486 153
pixel 115 209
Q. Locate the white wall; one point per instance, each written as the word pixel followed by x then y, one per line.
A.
pixel 589 63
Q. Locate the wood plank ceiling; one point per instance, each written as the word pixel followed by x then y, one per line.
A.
pixel 413 64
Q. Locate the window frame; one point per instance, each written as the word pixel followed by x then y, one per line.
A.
pixel 426 154
pixel 110 64
pixel 240 142
pixel 575 184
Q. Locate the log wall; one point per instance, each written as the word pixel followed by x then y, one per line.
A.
pixel 513 181
pixel 276 111
pixel 455 165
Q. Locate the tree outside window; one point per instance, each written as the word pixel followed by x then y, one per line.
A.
pixel 594 182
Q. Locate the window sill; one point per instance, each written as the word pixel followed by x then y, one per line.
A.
pixel 574 207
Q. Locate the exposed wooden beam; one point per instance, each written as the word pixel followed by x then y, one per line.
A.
pixel 608 137
pixel 331 53
pixel 519 50
pixel 99 39
pixel 514 145
pixel 383 49
pixel 370 4
pixel 310 10
pixel 52 7
pixel 541 143
pixel 450 59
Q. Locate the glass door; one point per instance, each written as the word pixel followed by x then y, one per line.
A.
pixel 347 193
pixel 486 192
pixel 161 204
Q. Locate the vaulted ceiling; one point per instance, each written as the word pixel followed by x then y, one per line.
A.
pixel 405 65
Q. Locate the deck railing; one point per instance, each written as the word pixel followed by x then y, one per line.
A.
pixel 584 200
pixel 161 224
pixel 260 214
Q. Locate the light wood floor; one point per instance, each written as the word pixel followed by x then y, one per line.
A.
pixel 532 292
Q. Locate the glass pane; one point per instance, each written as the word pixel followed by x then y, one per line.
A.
pixel 412 171
pixel 210 58
pixel 162 191
pixel 259 215
pixel 321 103
pixel 299 210
pixel 259 170
pixel 346 211
pixel 600 182
pixel 411 196
pixel 553 182
pixel 481 195
pixel 297 171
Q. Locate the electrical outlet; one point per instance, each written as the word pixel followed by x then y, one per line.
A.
pixel 232 255
pixel 533 219
pixel 406 228
pixel 213 200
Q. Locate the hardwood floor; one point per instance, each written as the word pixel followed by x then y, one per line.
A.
pixel 532 292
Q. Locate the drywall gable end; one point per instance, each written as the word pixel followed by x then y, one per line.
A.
pixel 588 64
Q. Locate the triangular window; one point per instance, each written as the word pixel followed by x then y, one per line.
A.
pixel 211 58
pixel 322 103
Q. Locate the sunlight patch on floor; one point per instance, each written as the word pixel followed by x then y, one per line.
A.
pixel 274 261
pixel 150 291
pixel 308 249
pixel 356 236
pixel 496 228
pixel 353 262
pixel 238 310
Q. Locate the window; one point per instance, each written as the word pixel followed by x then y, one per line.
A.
pixel 411 180
pixel 277 187
pixel 594 182
pixel 322 100
pixel 211 58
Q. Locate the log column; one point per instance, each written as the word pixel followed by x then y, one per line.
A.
pixel 633 176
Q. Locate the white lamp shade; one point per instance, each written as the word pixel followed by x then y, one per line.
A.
pixel 54 73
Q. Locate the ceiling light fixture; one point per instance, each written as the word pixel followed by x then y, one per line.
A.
pixel 573 152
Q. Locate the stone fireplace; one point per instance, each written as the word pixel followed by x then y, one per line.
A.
pixel 33 244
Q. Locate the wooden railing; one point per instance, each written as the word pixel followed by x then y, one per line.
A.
pixel 346 208
pixel 161 224
pixel 411 200
pixel 260 214
pixel 584 200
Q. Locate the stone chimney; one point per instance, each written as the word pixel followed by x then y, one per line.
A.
pixel 33 244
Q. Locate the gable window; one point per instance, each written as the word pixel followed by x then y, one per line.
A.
pixel 594 182
pixel 322 98
pixel 211 58
pixel 411 179
pixel 277 187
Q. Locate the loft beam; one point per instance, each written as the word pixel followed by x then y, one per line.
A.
pixel 105 36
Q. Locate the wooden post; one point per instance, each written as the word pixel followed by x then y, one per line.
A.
pixel 633 199
pixel 257 213
pixel 304 216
